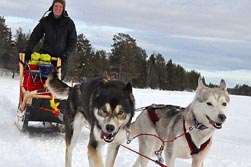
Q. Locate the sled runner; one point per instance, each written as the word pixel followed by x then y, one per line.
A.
pixel 35 102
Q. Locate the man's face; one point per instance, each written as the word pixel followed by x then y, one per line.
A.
pixel 58 9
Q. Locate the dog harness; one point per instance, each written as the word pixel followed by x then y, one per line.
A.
pixel 192 146
pixel 152 114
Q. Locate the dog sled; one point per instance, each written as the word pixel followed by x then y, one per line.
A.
pixel 35 102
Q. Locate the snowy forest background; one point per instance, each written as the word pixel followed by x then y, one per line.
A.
pixel 126 61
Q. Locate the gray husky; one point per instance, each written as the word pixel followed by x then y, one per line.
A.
pixel 105 106
pixel 197 122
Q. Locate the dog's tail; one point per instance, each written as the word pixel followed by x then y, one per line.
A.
pixel 57 88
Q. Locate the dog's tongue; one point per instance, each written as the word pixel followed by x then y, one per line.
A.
pixel 215 124
pixel 102 135
pixel 105 136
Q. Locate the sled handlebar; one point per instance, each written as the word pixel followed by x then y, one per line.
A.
pixel 54 58
pixel 57 59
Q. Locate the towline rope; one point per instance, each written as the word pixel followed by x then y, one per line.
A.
pixel 157 152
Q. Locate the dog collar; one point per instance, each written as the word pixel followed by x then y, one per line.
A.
pixel 198 125
pixel 193 148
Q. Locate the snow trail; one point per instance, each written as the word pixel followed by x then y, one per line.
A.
pixel 41 147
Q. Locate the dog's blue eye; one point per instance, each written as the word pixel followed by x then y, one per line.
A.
pixel 209 104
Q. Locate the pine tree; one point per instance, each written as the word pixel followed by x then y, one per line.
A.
pixel 161 73
pixel 8 55
pixel 125 54
pixel 80 60
pixel 151 72
pixel 21 40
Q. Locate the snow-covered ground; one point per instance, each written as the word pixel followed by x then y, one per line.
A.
pixel 41 147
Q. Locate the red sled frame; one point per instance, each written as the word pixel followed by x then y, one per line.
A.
pixel 35 100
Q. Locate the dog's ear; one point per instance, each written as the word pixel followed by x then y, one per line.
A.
pixel 128 87
pixel 106 76
pixel 201 85
pixel 223 85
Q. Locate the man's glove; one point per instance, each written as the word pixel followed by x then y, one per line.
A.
pixel 45 57
pixel 35 56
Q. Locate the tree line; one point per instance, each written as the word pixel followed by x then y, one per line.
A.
pixel 126 61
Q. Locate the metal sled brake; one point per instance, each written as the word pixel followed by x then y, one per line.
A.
pixel 35 102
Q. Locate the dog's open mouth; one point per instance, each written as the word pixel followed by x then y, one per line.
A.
pixel 217 125
pixel 107 137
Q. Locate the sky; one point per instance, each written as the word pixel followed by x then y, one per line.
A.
pixel 211 37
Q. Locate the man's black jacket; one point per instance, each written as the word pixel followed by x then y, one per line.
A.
pixel 59 36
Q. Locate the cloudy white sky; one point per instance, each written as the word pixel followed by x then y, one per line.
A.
pixel 212 37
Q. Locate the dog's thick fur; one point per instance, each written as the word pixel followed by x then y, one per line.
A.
pixel 208 109
pixel 107 108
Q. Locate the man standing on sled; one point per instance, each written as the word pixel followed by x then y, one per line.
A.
pixel 59 34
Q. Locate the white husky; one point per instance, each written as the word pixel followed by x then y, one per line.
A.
pixel 204 115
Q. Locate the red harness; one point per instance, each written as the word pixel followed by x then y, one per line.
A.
pixel 152 114
pixel 192 146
